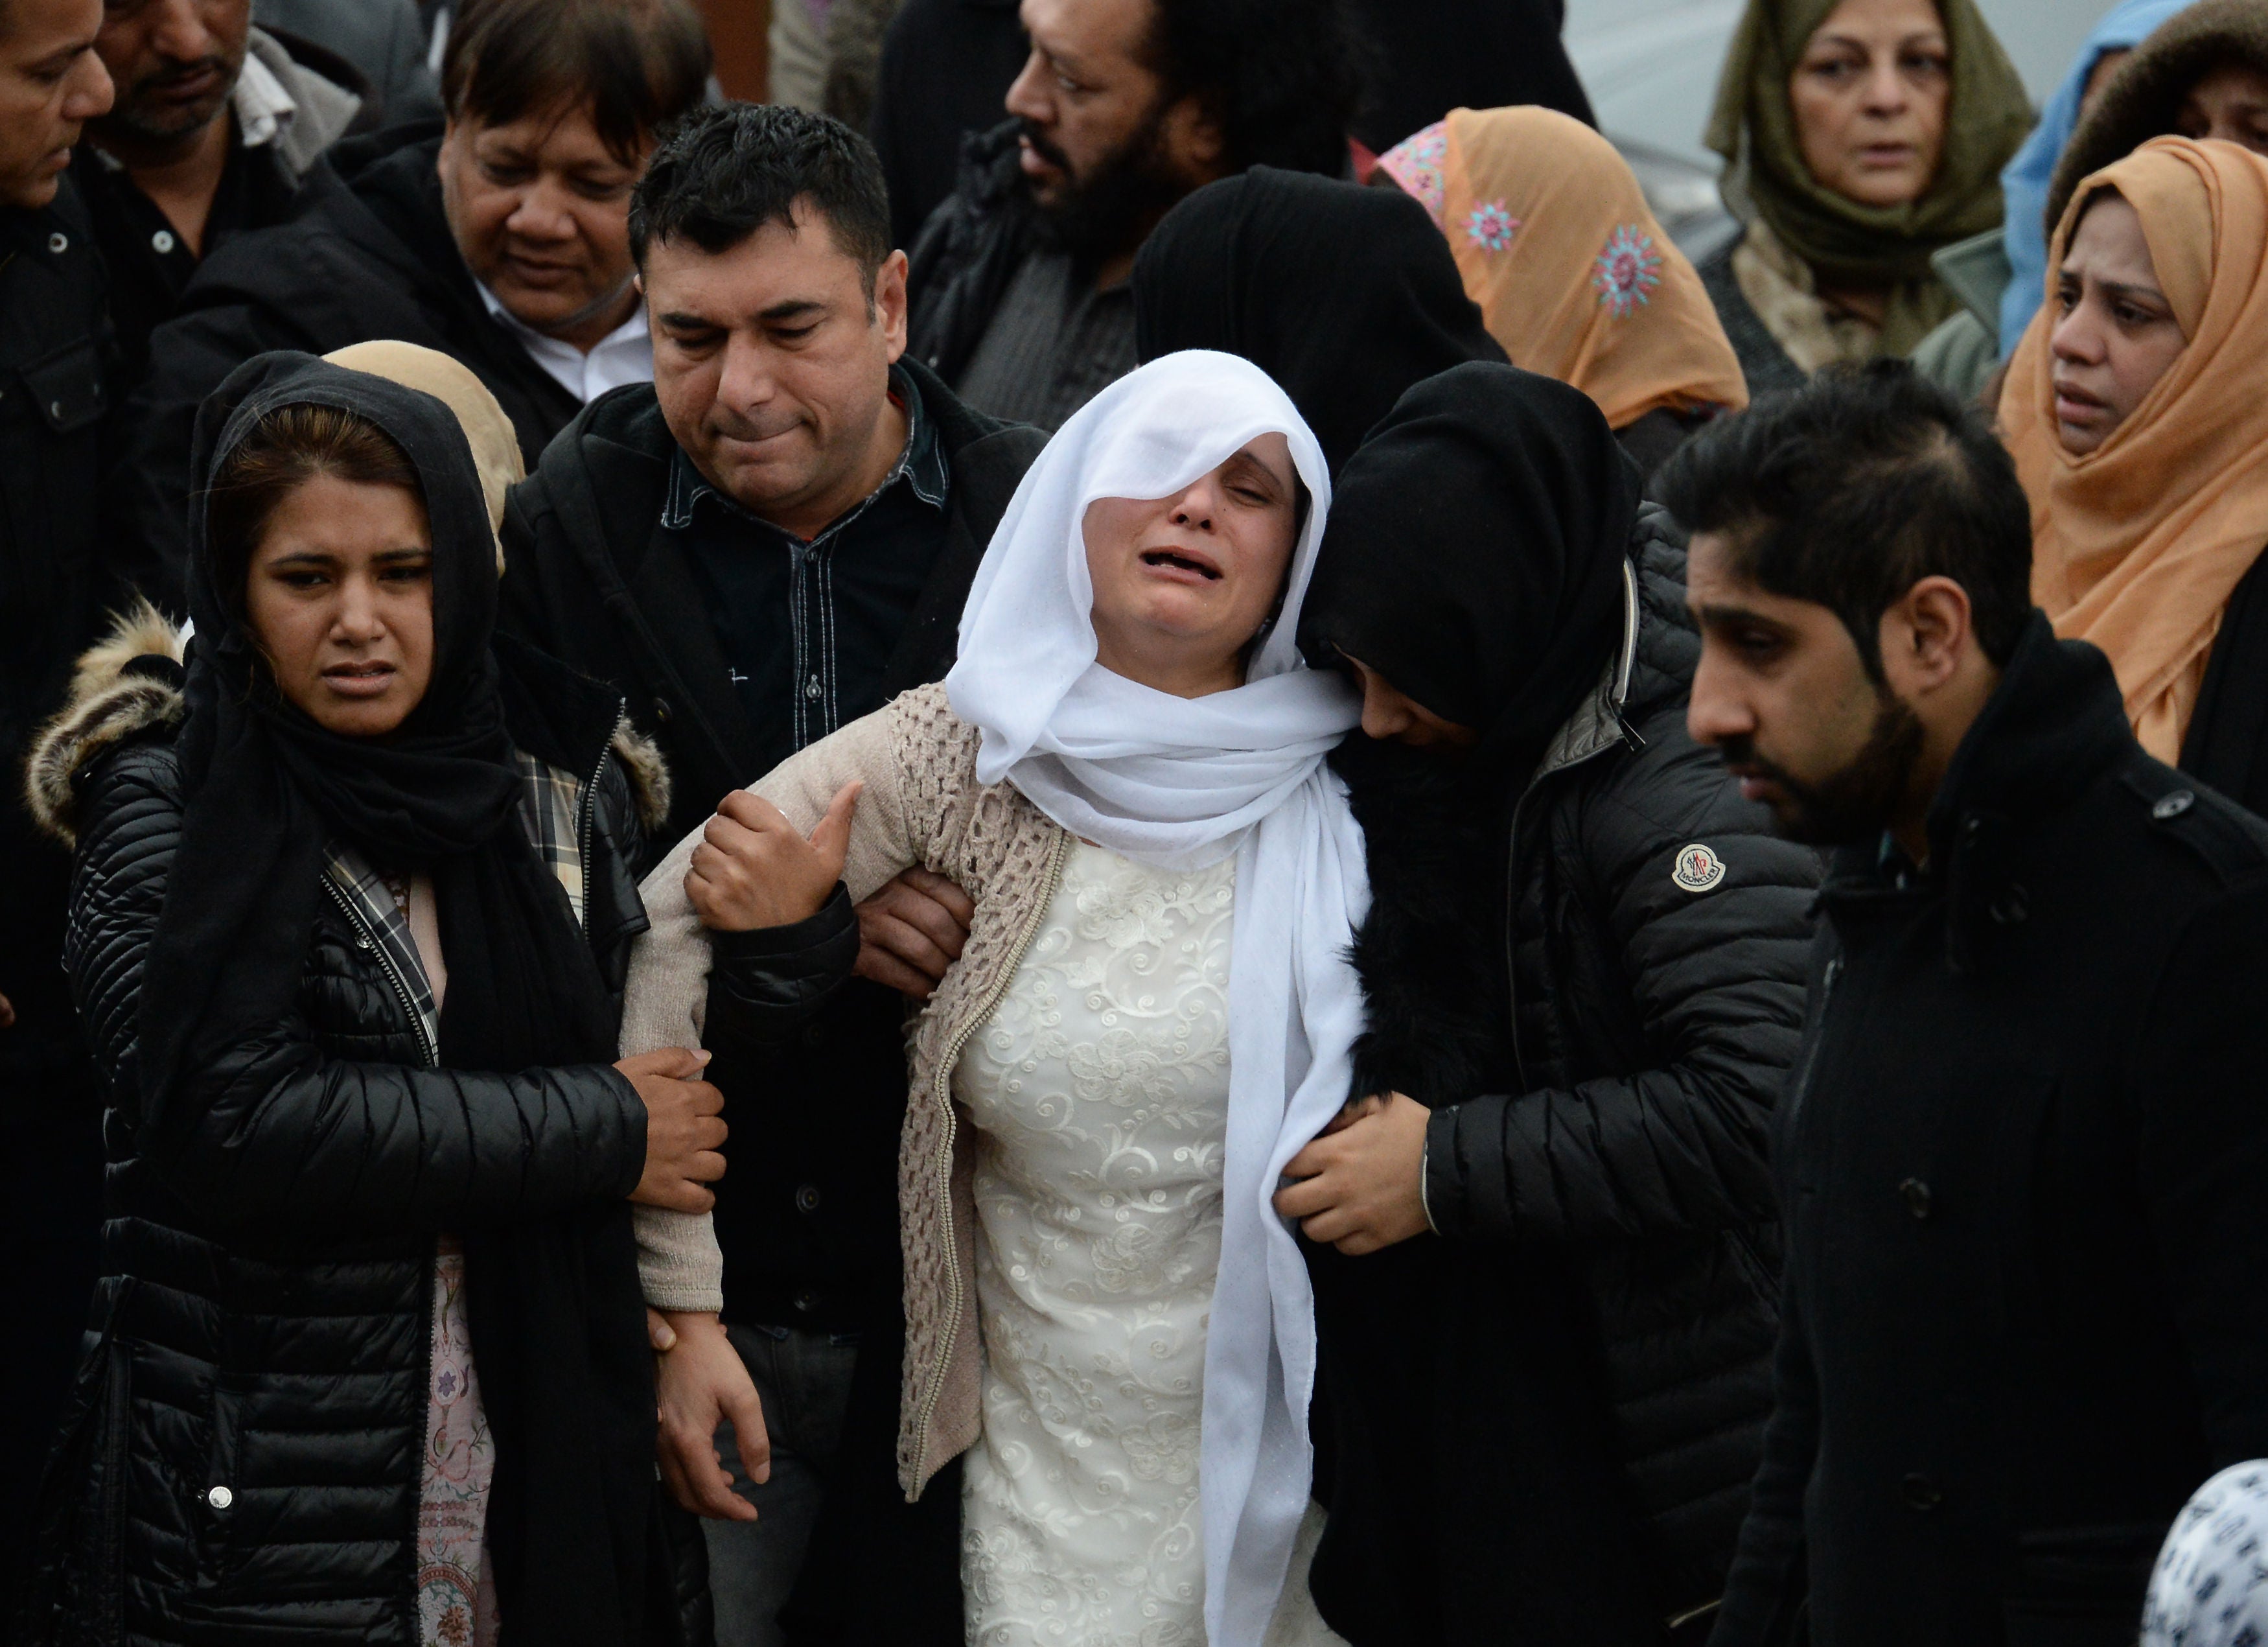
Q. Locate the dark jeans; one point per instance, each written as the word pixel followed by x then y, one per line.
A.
pixel 803 1379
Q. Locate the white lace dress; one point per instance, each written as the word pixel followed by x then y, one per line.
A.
pixel 1099 1090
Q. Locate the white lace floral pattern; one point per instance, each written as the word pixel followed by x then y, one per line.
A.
pixel 1099 1095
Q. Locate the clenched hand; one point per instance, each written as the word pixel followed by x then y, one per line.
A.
pixel 1361 1185
pixel 754 868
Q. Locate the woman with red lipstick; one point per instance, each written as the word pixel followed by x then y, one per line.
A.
pixel 1860 136
pixel 2135 411
pixel 350 906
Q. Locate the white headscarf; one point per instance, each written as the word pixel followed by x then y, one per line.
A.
pixel 1180 783
pixel 2211 1585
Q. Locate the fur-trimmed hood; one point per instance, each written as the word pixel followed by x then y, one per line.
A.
pixel 2146 92
pixel 129 683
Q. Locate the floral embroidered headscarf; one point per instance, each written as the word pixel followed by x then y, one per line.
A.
pixel 1554 239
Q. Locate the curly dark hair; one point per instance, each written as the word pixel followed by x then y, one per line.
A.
pixel 1282 79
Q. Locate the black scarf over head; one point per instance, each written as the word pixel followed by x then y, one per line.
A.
pixel 1474 556
pixel 555 1307
pixel 1346 296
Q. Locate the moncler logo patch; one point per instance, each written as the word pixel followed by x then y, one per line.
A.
pixel 1696 868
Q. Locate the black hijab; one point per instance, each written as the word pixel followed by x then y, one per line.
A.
pixel 554 1301
pixel 1474 556
pixel 1346 296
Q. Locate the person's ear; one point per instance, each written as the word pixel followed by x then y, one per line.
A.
pixel 1926 635
pixel 1196 139
pixel 889 302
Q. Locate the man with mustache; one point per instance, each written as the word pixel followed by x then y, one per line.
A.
pixel 1020 281
pixel 2025 1312
pixel 53 390
pixel 772 540
pixel 497 236
pixel 215 125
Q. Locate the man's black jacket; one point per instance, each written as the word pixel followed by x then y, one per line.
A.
pixel 55 392
pixel 368 256
pixel 2026 1308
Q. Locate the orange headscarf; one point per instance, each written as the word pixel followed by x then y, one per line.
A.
pixel 1574 275
pixel 2138 546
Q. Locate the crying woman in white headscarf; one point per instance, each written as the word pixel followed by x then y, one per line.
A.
pixel 1105 1320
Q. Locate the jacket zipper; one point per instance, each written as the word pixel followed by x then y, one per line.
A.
pixel 587 811
pixel 393 973
pixel 1512 885
pixel 940 1090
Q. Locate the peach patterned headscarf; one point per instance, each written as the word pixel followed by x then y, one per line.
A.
pixel 2138 546
pixel 1556 244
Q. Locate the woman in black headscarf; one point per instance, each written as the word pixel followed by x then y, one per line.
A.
pixel 349 911
pixel 1541 1234
pixel 1344 296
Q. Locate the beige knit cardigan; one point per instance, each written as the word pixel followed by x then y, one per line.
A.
pixel 922 807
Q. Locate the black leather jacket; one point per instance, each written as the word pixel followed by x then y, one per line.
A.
pixel 240 1460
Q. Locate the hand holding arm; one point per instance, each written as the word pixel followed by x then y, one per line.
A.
pixel 754 869
pixel 912 931
pixel 1361 1187
pixel 684 1134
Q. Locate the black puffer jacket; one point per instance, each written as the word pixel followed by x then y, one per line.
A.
pixel 241 1461
pixel 1591 1342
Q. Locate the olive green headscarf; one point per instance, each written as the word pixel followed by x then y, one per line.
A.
pixel 1987 117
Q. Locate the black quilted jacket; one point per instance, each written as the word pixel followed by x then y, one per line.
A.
pixel 241 1461
pixel 1583 1357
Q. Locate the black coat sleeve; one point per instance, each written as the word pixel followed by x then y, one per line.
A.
pixel 2195 1076
pixel 1765 1589
pixel 273 1132
pixel 1716 979
pixel 765 986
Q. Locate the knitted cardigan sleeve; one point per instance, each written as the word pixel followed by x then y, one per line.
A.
pixel 667 991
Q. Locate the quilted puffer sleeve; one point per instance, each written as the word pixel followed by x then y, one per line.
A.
pixel 1715 960
pixel 273 1131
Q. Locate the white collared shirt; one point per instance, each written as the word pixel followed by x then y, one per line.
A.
pixel 624 355
pixel 262 107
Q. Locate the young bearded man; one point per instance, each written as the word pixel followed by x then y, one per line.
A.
pixel 2025 1312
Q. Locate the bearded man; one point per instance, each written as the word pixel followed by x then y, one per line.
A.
pixel 1020 281
pixel 2025 1310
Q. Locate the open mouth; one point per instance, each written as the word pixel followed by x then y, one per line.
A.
pixel 1183 562
pixel 359 680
